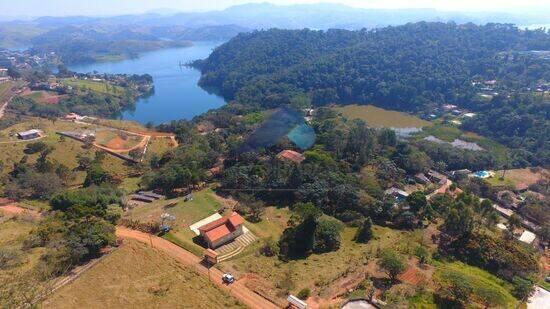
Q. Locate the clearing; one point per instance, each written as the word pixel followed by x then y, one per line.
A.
pixel 136 275
pixel 97 86
pixel 381 118
pixel 44 97
pixel 519 178
pixel 118 140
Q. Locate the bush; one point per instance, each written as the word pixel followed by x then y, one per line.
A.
pixel 392 263
pixel 35 147
pixel 304 294
pixel 364 233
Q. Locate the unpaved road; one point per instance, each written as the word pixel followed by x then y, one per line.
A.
pixel 237 289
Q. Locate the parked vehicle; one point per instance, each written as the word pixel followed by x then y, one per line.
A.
pixel 228 278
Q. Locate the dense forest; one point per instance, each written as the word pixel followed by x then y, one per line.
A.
pixel 415 68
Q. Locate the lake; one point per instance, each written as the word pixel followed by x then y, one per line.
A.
pixel 177 95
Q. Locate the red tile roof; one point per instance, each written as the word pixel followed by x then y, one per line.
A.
pixel 221 227
pixel 291 155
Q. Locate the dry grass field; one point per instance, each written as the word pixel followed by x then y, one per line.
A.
pixel 381 118
pixel 518 178
pixel 137 276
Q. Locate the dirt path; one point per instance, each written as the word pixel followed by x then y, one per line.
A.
pixel 3 109
pixel 13 209
pixel 237 289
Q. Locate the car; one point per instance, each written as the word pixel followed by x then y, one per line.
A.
pixel 228 278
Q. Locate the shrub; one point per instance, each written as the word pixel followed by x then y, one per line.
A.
pixel 304 294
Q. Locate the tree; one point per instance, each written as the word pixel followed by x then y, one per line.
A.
pixel 422 254
pixel 417 201
pixel 364 233
pixel 35 147
pixel 96 175
pixel 327 236
pixel 392 263
pixel 514 222
pixel 523 288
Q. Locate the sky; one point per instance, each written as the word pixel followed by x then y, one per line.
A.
pixel 22 8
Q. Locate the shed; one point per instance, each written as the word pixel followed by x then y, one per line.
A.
pixel 210 256
pixel 30 134
pixel 527 237
pixel 295 302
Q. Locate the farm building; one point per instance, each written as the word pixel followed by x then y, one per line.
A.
pixel 222 230
pixel 30 134
pixel 291 155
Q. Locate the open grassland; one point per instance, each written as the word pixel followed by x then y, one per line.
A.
pixel 478 278
pixel 518 178
pixel 65 150
pixel 44 97
pixel 137 276
pixel 381 118
pixel 321 272
pixel 158 146
pixel 5 91
pixel 97 86
pixel 117 140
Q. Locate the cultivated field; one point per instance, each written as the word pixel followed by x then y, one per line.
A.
pixel 137 276
pixel 381 118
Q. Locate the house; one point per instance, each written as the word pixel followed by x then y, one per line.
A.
pixel 291 155
pixel 30 134
pixel 73 116
pixel 469 115
pixel 437 177
pixel 222 230
pixel 459 174
pixel 490 82
pixel 421 178
pixel 448 107
pixel 398 194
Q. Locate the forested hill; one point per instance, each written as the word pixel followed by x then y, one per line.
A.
pixel 416 68
pixel 403 67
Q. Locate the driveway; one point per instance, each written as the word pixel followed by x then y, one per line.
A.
pixel 237 289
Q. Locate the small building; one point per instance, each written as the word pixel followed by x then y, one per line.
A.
pixel 210 256
pixel 398 194
pixel 437 177
pixel 73 116
pixel 421 178
pixel 291 155
pixel 222 230
pixel 448 107
pixel 527 237
pixel 142 198
pixel 459 174
pixel 30 134
pixel 152 194
pixel 295 302
pixel 469 115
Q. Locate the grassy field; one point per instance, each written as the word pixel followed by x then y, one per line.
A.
pixel 321 272
pixel 117 140
pixel 517 178
pixel 65 151
pixel 381 118
pixel 97 86
pixel 44 97
pixel 203 205
pixel 137 276
pixel 450 133
pixel 478 278
pixel 5 91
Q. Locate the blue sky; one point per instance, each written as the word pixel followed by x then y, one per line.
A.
pixel 116 7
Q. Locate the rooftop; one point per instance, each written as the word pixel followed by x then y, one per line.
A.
pixel 291 155
pixel 222 226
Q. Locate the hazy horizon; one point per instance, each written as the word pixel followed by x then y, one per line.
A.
pixel 38 8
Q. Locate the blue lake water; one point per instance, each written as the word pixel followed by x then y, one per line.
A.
pixel 177 95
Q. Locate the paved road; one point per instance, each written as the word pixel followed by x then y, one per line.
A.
pixel 237 289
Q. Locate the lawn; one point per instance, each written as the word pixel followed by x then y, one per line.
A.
pixel 5 91
pixel 136 275
pixel 204 204
pixel 44 97
pixel 381 118
pixel 97 86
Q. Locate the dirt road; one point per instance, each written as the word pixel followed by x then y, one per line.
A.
pixel 237 289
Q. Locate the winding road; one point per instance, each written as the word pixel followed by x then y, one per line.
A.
pixel 237 289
